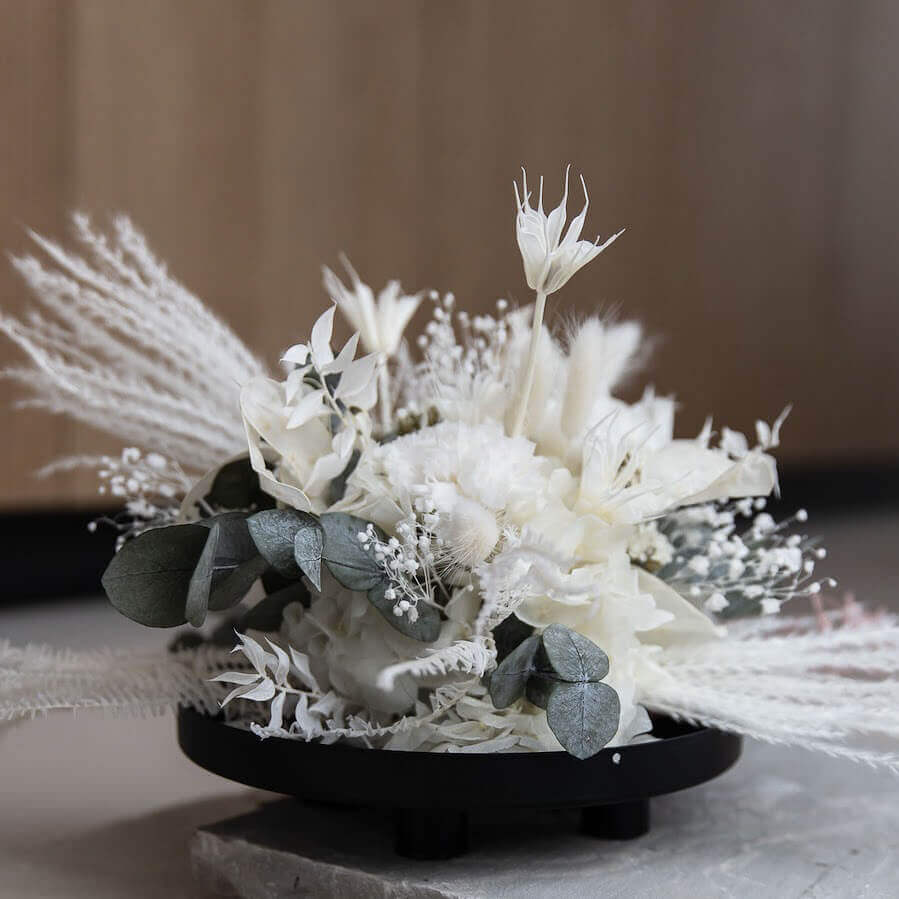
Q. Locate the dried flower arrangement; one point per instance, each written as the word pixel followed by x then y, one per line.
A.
pixel 470 545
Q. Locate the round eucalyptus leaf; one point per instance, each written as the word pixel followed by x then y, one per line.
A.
pixel 355 567
pixel 539 687
pixel 236 584
pixel 197 604
pixel 583 716
pixel 508 680
pixel 508 634
pixel 149 577
pixel 236 486
pixel 307 551
pixel 272 582
pixel 571 656
pixel 223 574
pixel 273 531
pixel 425 628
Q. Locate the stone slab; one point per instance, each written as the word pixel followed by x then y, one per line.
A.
pixel 782 823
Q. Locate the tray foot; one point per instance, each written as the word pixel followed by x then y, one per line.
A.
pixel 623 821
pixel 429 834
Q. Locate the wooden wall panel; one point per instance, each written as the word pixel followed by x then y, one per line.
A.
pixel 748 148
pixel 34 191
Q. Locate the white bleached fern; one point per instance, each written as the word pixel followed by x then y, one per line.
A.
pixel 464 656
pixel 122 346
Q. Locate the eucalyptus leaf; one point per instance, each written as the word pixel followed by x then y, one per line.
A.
pixel 571 656
pixel 508 634
pixel 268 613
pixel 200 586
pixel 351 564
pixel 236 486
pixel 237 584
pixel 583 716
pixel 307 551
pixel 272 582
pixel 510 678
pixel 425 628
pixel 273 531
pixel 149 577
pixel 222 576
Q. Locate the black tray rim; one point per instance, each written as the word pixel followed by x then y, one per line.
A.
pixel 349 775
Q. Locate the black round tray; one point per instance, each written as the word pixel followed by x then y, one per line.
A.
pixel 613 787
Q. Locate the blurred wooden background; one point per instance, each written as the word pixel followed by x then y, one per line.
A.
pixel 749 147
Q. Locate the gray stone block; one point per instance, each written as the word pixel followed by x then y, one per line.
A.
pixel 782 823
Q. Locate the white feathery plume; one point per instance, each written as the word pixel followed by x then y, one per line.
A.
pixel 35 680
pixel 124 347
pixel 823 690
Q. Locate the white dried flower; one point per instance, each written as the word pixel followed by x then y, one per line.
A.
pixel 380 322
pixel 550 259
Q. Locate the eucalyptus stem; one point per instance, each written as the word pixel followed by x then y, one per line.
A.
pixel 525 395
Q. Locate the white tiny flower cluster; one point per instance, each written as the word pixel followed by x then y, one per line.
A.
pixel 726 567
pixel 648 546
pixel 150 484
pixel 459 351
pixel 134 475
pixel 408 559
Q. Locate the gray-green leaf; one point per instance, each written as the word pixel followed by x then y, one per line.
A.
pixel 572 656
pixel 148 579
pixel 222 576
pixel 425 628
pixel 237 584
pixel 198 590
pixel 508 680
pixel 307 551
pixel 273 531
pixel 583 716
pixel 236 486
pixel 354 566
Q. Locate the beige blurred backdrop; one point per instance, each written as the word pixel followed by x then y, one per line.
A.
pixel 749 147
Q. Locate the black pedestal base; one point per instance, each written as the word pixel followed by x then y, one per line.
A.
pixel 624 821
pixel 430 834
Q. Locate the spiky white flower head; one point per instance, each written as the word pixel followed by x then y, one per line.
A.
pixel 550 259
pixel 380 322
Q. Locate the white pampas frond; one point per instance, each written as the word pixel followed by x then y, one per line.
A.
pixel 124 347
pixel 464 656
pixel 35 680
pixel 834 691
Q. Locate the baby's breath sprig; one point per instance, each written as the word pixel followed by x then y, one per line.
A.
pixel 736 570
pixel 409 558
